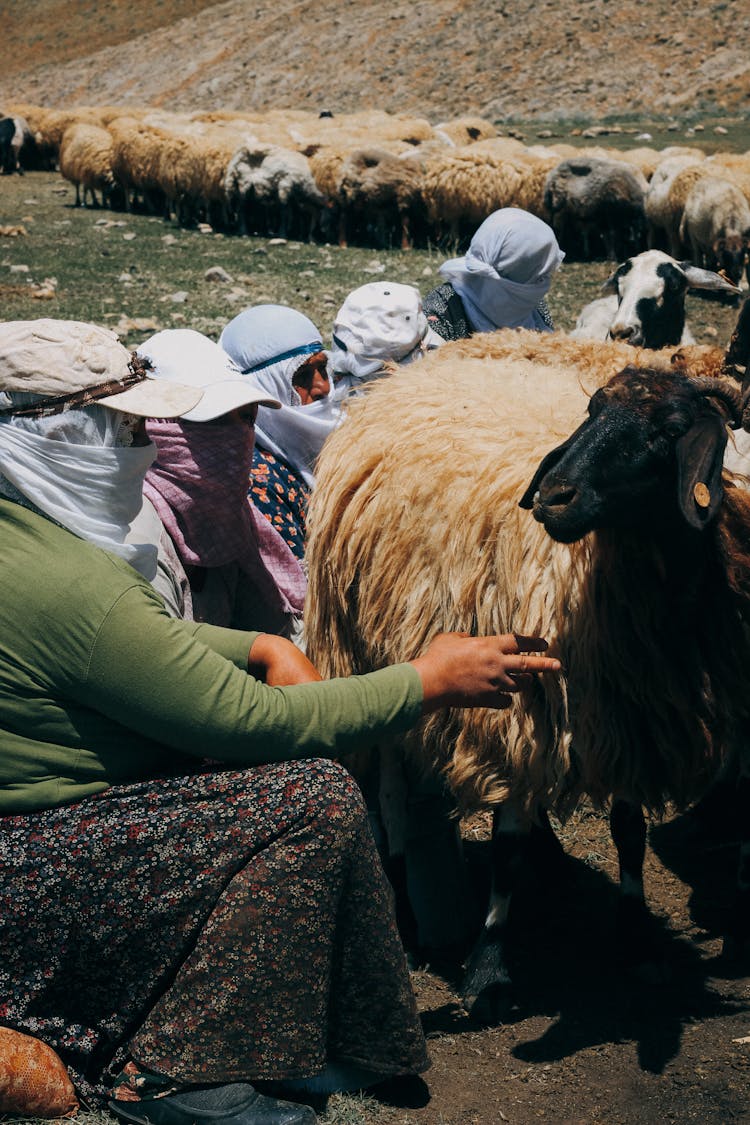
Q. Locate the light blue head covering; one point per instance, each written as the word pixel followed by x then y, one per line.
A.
pixel 506 272
pixel 269 344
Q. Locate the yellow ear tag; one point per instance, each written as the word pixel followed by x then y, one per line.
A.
pixel 701 495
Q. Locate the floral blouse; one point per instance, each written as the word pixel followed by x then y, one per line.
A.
pixel 281 496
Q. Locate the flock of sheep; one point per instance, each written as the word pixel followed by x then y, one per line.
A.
pixel 372 177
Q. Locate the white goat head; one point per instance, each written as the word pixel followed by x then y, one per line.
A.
pixel 650 290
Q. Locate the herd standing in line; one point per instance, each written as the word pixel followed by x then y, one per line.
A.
pixel 379 179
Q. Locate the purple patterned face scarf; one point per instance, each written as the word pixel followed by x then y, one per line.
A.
pixel 198 486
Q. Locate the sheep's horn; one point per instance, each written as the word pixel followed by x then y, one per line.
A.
pixel 730 395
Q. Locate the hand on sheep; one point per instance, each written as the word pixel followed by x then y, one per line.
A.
pixel 277 662
pixel 462 671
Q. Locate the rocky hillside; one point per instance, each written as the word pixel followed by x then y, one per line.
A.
pixel 546 59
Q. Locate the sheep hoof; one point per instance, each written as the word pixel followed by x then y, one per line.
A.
pixel 486 991
pixel 492 1006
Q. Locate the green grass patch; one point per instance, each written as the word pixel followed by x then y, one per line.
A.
pixel 138 274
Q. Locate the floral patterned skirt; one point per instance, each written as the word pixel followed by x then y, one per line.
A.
pixel 225 926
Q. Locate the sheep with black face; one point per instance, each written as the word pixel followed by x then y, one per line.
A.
pixel 644 591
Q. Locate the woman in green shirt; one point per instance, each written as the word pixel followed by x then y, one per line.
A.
pixel 179 928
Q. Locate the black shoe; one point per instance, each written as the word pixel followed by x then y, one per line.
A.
pixel 235 1104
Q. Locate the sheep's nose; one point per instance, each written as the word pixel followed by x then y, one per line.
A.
pixel 621 331
pixel 558 495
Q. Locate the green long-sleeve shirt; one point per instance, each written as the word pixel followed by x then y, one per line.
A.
pixel 99 686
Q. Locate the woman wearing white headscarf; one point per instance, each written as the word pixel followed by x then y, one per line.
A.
pixel 379 323
pixel 281 351
pixel 502 280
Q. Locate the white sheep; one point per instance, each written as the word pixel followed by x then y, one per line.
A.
pixel 716 226
pixel 278 181
pixel 645 302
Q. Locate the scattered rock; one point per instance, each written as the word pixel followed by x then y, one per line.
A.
pixel 127 324
pixel 643 137
pixel 721 130
pixel 129 236
pixel 427 271
pixel 709 330
pixel 698 128
pixel 168 239
pixel 12 231
pixel 19 269
pixel 218 273
pixel 46 291
pixel 374 267
pixel 307 273
pixel 32 202
pixel 59 191
pixel 277 242
pixel 205 228
pixel 102 223
pixel 177 298
pixel 124 277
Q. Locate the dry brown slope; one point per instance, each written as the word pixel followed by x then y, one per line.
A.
pixel 502 58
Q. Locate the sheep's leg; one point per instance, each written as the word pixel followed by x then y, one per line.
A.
pixel 406 243
pixel 486 990
pixel 78 195
pixel 343 243
pixel 737 940
pixel 636 935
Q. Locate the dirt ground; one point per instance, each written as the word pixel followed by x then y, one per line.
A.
pixel 591 1041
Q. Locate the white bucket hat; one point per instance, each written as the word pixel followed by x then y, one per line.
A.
pixel 379 322
pixel 76 364
pixel 182 355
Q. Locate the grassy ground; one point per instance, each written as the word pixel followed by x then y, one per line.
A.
pixel 138 274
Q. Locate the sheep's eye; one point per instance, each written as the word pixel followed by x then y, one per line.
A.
pixel 673 428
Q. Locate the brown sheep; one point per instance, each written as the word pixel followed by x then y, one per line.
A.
pixel 415 529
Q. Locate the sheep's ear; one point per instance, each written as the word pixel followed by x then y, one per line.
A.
pixel 700 457
pixel 548 462
pixel 707 279
pixel 610 285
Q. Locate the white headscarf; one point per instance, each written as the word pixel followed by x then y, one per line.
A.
pixel 506 272
pixel 378 323
pixel 269 344
pixel 79 469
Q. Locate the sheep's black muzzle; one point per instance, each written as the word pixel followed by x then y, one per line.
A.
pixel 561 508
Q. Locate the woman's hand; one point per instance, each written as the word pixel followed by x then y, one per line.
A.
pixel 462 671
pixel 278 663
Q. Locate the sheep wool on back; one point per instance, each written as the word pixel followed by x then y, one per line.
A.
pixel 416 529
